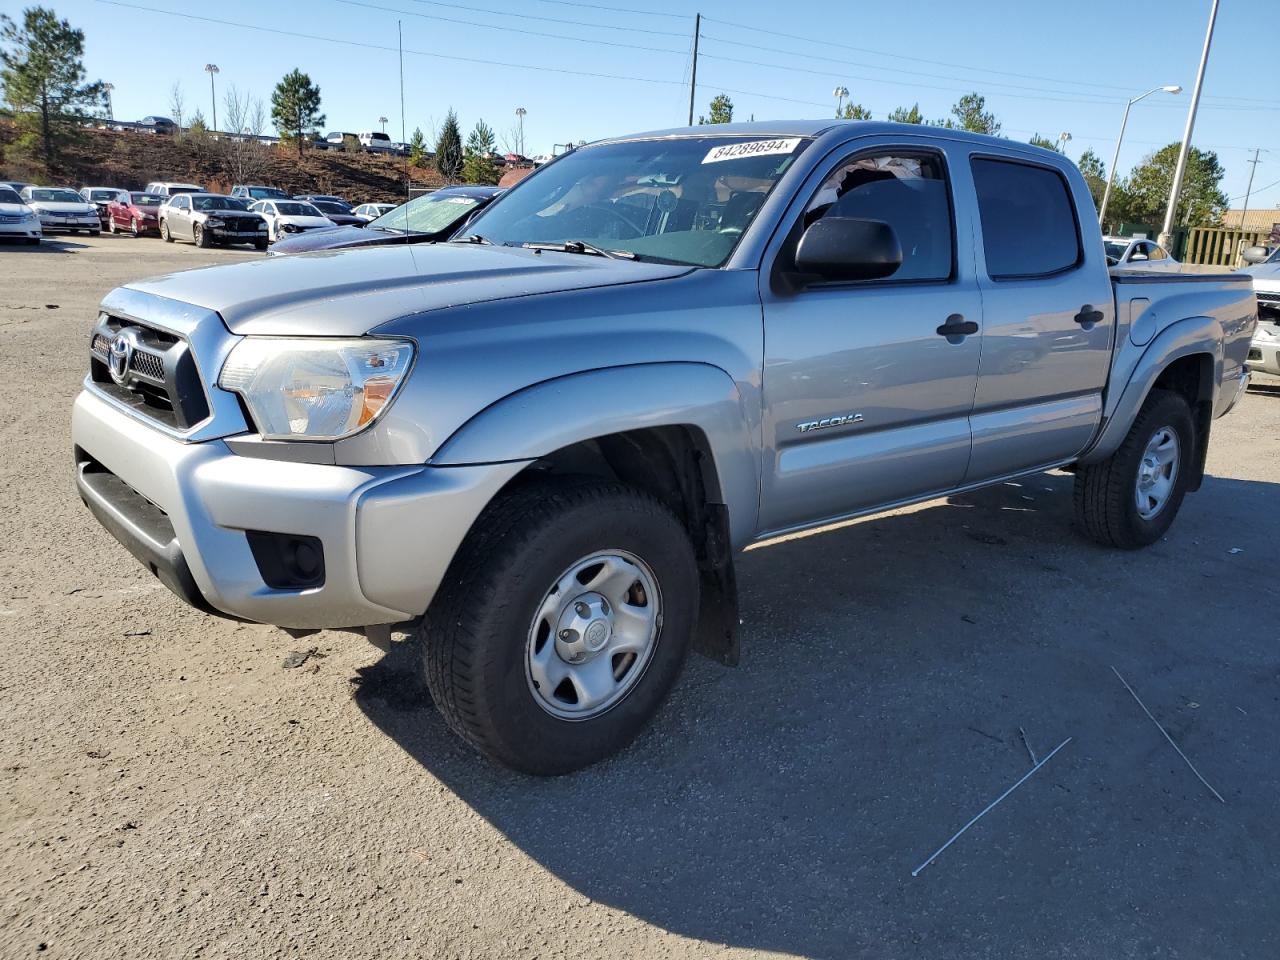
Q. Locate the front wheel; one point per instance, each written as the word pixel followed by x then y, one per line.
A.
pixel 201 238
pixel 562 624
pixel 260 244
pixel 1130 499
pixel 111 225
pixel 165 235
pixel 134 228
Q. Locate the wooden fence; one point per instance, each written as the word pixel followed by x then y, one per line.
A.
pixel 1218 246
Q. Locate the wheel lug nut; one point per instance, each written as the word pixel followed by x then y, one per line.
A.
pixel 581 609
pixel 565 634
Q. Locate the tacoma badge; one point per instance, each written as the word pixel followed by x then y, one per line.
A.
pixel 826 422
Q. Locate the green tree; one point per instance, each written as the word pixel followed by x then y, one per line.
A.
pixel 1039 141
pixel 417 148
pixel 970 113
pixel 295 107
pixel 903 115
pixel 721 110
pixel 855 111
pixel 197 126
pixel 1145 195
pixel 43 80
pixel 477 163
pixel 1095 175
pixel 449 148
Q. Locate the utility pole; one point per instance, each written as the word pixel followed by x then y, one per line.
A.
pixel 107 88
pixel 1249 189
pixel 520 112
pixel 693 78
pixel 211 69
pixel 1166 235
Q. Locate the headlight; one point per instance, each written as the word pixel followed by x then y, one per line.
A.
pixel 309 388
pixel 213 222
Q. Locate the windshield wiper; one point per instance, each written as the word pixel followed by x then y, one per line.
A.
pixel 581 246
pixel 472 238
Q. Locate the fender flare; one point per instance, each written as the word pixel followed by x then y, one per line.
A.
pixel 1183 338
pixel 553 414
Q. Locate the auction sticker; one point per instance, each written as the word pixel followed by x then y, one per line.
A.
pixel 752 148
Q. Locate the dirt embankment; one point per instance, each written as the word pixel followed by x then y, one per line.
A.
pixel 130 159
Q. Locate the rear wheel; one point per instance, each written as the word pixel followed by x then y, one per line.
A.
pixel 562 624
pixel 1130 499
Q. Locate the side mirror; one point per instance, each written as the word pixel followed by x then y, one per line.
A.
pixel 1254 255
pixel 846 248
pixel 1138 258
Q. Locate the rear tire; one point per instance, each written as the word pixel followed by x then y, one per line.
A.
pixel 1130 499
pixel 491 642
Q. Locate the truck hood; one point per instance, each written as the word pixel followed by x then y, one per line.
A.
pixel 349 292
pixel 1266 276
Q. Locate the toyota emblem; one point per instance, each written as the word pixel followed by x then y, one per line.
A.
pixel 118 359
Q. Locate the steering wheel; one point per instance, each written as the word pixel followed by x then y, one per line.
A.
pixel 637 230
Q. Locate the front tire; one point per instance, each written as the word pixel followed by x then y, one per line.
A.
pixel 562 624
pixel 165 235
pixel 201 238
pixel 1130 499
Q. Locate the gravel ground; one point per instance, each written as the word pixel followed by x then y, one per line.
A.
pixel 170 789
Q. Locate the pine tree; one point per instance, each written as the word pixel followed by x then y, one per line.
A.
pixel 295 107
pixel 449 149
pixel 417 148
pixel 478 165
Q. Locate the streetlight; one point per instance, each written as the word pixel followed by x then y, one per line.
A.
pixel 1063 139
pixel 840 93
pixel 1166 234
pixel 211 69
pixel 383 121
pixel 107 88
pixel 520 112
pixel 1111 174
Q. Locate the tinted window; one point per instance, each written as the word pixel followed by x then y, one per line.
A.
pixel 1028 220
pixel 908 193
pixel 9 196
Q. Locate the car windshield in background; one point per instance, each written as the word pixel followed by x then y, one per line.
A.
pixel 9 196
pixel 216 203
pixel 96 195
pixel 1116 250
pixel 426 214
pixel 57 196
pixel 146 199
pixel 687 200
pixel 297 210
pixel 326 206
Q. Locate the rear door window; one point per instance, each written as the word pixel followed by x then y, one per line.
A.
pixel 1028 219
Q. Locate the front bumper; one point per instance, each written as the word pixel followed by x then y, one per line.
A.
pixel 184 509
pixel 27 229
pixel 52 222
pixel 1264 356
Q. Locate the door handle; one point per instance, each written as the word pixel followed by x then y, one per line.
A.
pixel 957 328
pixel 1088 317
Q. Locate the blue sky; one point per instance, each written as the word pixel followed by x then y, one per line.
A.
pixel 1044 67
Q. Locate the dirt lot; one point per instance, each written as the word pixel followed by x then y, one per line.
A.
pixel 169 789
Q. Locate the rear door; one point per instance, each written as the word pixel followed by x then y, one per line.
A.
pixel 867 397
pixel 1048 318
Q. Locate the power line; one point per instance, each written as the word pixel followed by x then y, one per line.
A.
pixel 935 62
pixel 375 46
pixel 523 31
pixel 596 6
pixel 531 16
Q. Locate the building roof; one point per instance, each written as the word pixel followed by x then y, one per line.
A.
pixel 1256 218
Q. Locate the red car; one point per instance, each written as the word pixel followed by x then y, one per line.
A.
pixel 135 212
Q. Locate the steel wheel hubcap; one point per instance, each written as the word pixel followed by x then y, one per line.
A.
pixel 593 635
pixel 1157 472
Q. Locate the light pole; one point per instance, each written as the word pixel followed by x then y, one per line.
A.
pixel 839 93
pixel 1115 158
pixel 1166 234
pixel 383 121
pixel 520 112
pixel 107 88
pixel 211 69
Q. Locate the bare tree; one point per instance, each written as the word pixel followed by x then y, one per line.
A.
pixel 244 155
pixel 177 105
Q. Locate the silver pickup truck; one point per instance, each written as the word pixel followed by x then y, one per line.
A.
pixel 537 447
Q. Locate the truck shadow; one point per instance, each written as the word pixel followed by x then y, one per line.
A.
pixel 887 667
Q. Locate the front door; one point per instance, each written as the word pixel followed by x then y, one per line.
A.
pixel 1048 320
pixel 868 385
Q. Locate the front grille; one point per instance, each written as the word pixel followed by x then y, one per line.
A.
pixel 1268 297
pixel 12 218
pixel 159 379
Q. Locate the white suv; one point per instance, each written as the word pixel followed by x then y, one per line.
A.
pixel 171 188
pixel 377 143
